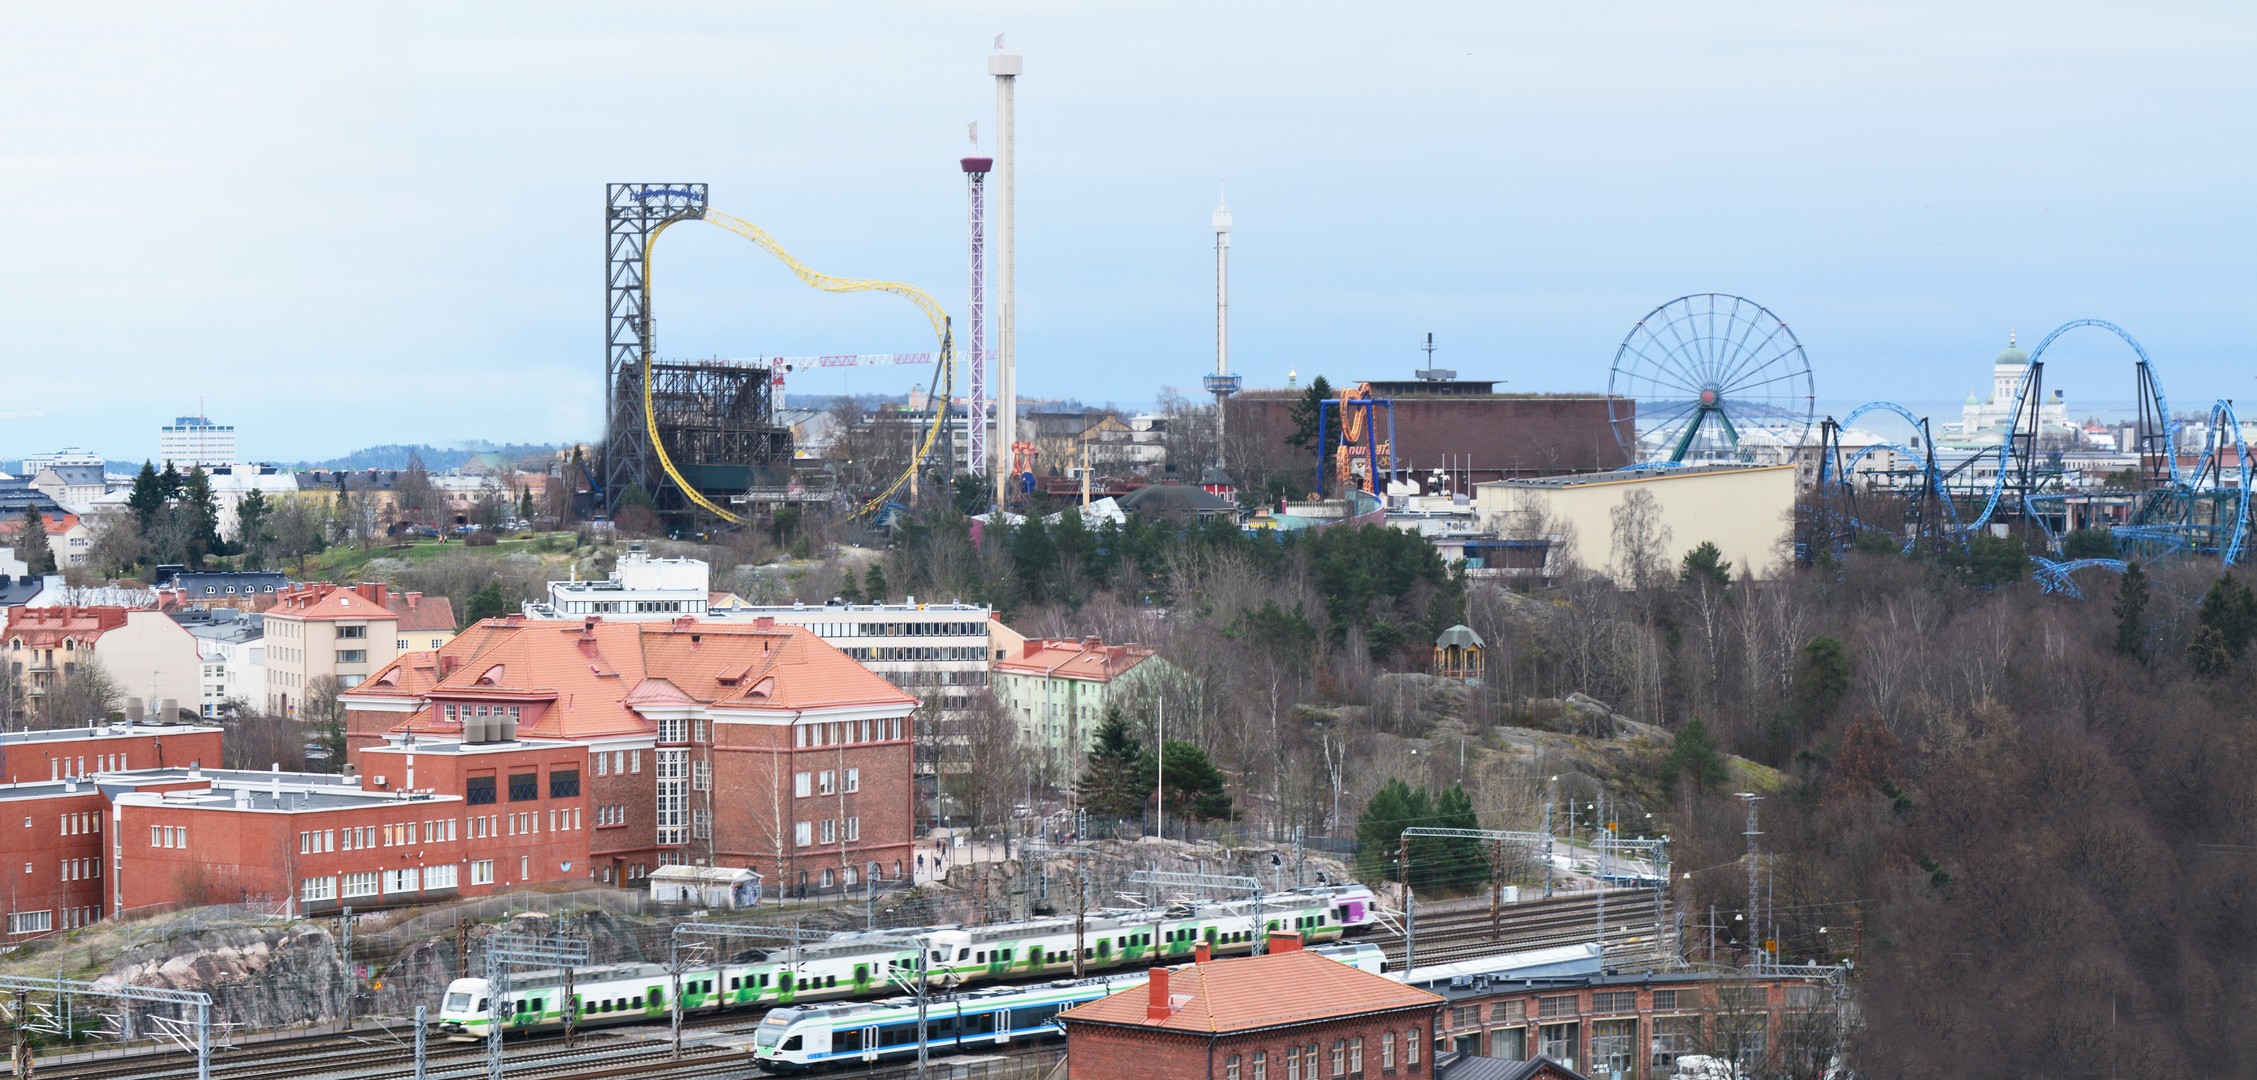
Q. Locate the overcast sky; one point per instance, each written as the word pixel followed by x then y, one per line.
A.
pixel 341 225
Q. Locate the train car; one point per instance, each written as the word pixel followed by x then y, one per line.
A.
pixel 799 1039
pixel 856 965
pixel 1356 905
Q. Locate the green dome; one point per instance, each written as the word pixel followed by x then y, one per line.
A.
pixel 2013 354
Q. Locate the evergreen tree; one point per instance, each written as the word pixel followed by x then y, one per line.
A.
pixel 199 514
pixel 1379 829
pixel 1457 862
pixel 1112 781
pixel 1821 681
pixel 2131 610
pixel 251 535
pixel 148 498
pixel 1706 564
pixel 2227 619
pixel 1693 752
pixel 1193 786
pixel 487 603
pixel 1034 559
pixel 169 481
pixel 31 544
pixel 874 584
pixel 849 592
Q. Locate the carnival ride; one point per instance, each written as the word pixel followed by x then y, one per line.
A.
pixel 719 413
pixel 2167 511
pixel 1707 378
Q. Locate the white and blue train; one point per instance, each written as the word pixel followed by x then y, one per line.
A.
pixel 855 965
pixel 800 1038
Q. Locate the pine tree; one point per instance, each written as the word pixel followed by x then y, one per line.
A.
pixel 31 544
pixel 1693 752
pixel 1112 781
pixel 200 516
pixel 169 481
pixel 487 603
pixel 148 498
pixel 251 515
pixel 1706 563
pixel 849 592
pixel 2226 622
pixel 1193 786
pixel 1458 862
pixel 2131 611
pixel 874 584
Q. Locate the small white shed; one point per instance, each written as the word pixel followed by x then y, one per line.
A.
pixel 705 886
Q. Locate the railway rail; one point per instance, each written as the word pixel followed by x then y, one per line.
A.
pixel 1633 935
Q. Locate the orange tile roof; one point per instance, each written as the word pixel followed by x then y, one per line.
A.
pixel 327 600
pixel 1075 658
pixel 594 675
pixel 1244 993
pixel 11 524
pixel 420 613
pixel 46 627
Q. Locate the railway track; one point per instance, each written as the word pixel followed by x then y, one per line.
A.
pixel 1633 935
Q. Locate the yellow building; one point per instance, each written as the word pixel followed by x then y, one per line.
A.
pixel 1609 520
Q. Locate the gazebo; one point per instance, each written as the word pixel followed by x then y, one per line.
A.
pixel 1458 654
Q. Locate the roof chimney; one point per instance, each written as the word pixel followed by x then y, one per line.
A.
pixel 764 623
pixel 1283 941
pixel 1159 1006
pixel 1202 953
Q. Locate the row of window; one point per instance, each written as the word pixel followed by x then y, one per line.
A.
pixel 1308 1062
pixel 804 833
pixel 464 712
pixel 608 816
pixel 67 767
pixel 618 762
pixel 916 652
pixel 76 824
pixel 927 677
pixel 898 629
pixel 824 782
pixel 843 732
pixel 81 870
pixel 684 730
pixel 523 787
pixel 628 607
pixel 391 882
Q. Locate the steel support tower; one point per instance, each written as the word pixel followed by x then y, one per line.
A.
pixel 632 213
pixel 1222 383
pixel 975 412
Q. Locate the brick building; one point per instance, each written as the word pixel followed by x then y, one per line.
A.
pixel 1640 1024
pixel 1287 1015
pixel 56 816
pixel 1479 436
pixel 813 748
pixel 436 822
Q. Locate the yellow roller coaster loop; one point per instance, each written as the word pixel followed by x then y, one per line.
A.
pixel 946 377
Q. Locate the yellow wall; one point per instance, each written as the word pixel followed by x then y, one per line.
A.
pixel 1745 512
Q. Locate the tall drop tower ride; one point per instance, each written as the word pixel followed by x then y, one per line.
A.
pixel 1006 68
pixel 1222 383
pixel 975 412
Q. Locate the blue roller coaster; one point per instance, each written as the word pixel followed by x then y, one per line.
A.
pixel 2202 511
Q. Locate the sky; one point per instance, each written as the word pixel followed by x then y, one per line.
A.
pixel 339 225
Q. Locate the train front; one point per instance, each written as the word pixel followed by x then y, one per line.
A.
pixel 776 1048
pixel 462 1013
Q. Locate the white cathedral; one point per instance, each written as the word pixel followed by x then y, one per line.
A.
pixel 1986 421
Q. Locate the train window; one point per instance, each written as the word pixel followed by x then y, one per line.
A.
pixel 846 1042
pixel 480 1007
pixel 861 972
pixel 790 1044
pixel 1105 948
pixel 763 978
pixel 830 980
pixel 963 954
pixel 733 984
pixel 1006 956
pixel 638 1002
pixel 979 1024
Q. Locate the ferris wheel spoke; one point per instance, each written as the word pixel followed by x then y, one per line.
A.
pixel 1656 379
pixel 1765 382
pixel 1740 348
pixel 1760 346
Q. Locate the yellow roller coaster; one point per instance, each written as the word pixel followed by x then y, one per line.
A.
pixel 945 377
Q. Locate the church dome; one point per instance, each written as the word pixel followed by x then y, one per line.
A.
pixel 2013 355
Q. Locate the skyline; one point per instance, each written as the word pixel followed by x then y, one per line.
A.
pixel 375 225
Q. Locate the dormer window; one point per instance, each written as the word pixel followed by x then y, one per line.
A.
pixel 493 676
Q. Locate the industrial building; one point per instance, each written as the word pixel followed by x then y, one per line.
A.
pixel 1537 524
pixel 1458 425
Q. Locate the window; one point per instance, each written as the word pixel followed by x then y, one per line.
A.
pixel 354 632
pixel 701 776
pixel 440 877
pixel 352 656
pixel 634 761
pixel 482 872
pixel 853 780
pixel 1410 1046
pixel 828 781
pixel 1387 1050
pixel 361 884
pixel 1557 1042
pixel 402 881
pixel 603 760
pixel 1356 1054
pixel 1230 1067
pixel 1509 1009
pixel 1292 1063
pixel 1339 1057
pixel 1552 1008
pixel 1803 997
pixel 801 787
pixel 1618 1002
pixel 524 787
pixel 524 868
pixel 854 828
pixel 1673 1036
pixel 1665 1000
pixel 700 731
pixel 1261 1065
pixel 673 730
pixel 1465 1016
pixel 480 791
pixel 401 645
pixel 830 833
pixel 1739 998
pixel 31 922
pixel 803 834
pixel 564 783
pixel 317 888
pixel 1614 1045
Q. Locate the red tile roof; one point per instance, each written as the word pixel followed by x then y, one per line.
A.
pixel 1244 993
pixel 593 675
pixel 421 613
pixel 326 600
pixel 1075 658
pixel 47 627
pixel 11 524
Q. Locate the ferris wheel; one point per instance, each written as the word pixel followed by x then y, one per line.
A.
pixel 1710 377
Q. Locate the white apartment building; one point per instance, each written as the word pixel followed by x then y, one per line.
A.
pixel 195 440
pixel 640 587
pixel 232 647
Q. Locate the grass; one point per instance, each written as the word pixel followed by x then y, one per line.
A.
pixel 345 563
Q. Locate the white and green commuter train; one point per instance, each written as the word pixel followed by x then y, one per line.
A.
pixel 800 1038
pixel 860 965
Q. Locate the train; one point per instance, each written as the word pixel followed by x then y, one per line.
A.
pixel 797 1039
pixel 854 965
